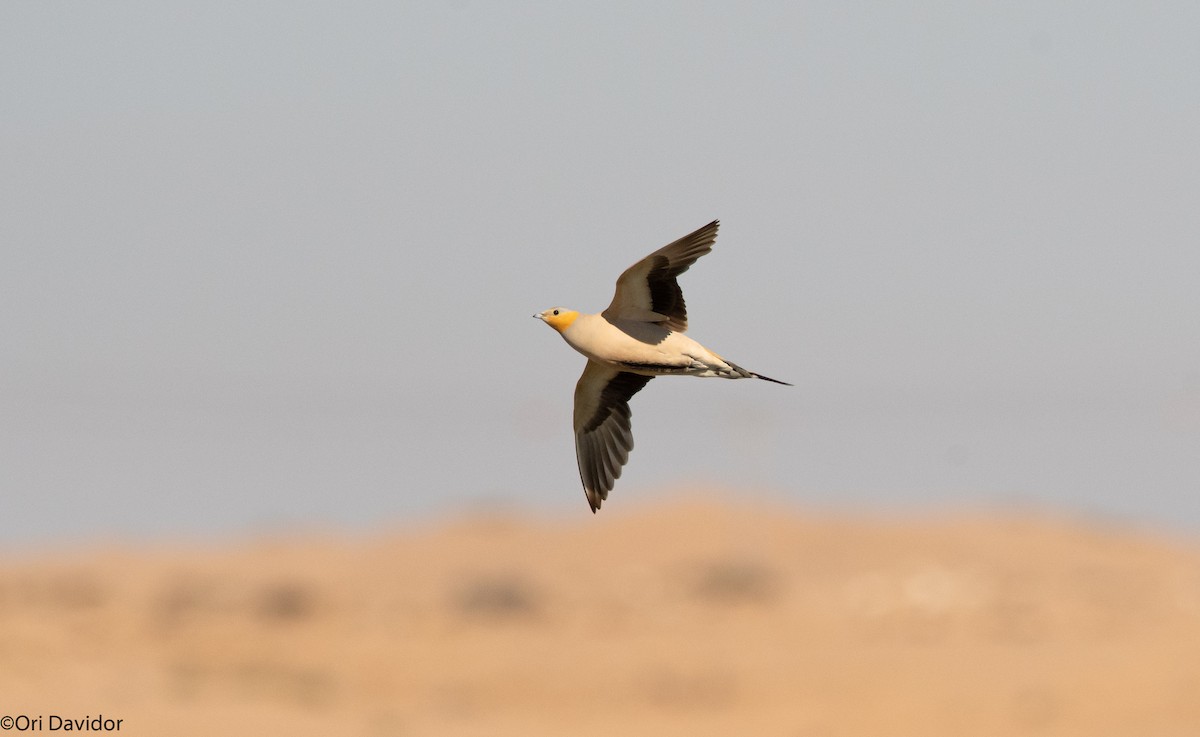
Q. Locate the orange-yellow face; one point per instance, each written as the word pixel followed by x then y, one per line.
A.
pixel 559 318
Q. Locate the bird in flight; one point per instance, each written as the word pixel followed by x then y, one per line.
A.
pixel 639 336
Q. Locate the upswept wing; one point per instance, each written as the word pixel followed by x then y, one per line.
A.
pixel 648 291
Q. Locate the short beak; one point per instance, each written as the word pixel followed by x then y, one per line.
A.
pixel 536 316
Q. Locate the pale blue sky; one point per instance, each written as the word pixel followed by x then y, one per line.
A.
pixel 273 265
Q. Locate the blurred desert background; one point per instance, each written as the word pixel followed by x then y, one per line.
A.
pixel 282 452
pixel 704 615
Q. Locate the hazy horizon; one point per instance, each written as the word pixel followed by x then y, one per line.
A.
pixel 269 266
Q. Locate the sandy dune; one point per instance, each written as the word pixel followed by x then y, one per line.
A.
pixel 693 618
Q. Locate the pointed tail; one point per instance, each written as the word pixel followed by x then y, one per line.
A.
pixel 743 373
pixel 768 378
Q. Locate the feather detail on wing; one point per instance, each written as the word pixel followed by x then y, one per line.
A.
pixel 603 437
pixel 648 291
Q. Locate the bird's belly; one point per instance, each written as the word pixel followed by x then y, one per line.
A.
pixel 673 353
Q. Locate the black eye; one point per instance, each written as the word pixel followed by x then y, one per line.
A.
pixel 556 312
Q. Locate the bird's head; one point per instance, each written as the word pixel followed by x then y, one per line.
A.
pixel 559 318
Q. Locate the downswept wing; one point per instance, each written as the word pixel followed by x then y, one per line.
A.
pixel 603 437
pixel 648 291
